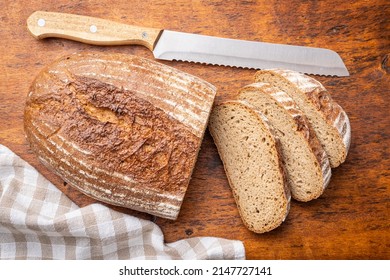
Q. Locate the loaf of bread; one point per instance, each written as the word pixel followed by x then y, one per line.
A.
pixel 121 129
pixel 250 153
pixel 307 165
pixel 327 118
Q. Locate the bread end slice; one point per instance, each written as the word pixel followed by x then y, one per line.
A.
pixel 251 157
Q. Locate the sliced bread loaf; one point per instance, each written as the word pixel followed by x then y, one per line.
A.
pixel 307 166
pixel 328 119
pixel 251 157
pixel 119 128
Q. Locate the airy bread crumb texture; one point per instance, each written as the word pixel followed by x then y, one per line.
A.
pixel 251 159
pixel 307 167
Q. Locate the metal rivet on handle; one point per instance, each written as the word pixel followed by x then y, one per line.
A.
pixel 41 22
pixel 144 35
pixel 93 28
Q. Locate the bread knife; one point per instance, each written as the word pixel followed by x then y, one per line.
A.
pixel 173 45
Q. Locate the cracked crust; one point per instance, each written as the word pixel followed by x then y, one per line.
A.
pixel 121 129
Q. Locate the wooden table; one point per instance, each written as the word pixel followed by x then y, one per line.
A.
pixel 351 220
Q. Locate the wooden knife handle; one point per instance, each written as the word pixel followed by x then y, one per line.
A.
pixel 90 30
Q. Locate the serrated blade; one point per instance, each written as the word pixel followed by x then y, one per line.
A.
pixel 174 45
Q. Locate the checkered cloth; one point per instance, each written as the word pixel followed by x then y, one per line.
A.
pixel 37 221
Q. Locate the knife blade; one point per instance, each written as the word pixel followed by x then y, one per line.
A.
pixel 173 45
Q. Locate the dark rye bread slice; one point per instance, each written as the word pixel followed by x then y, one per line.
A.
pixel 119 128
pixel 328 119
pixel 306 163
pixel 250 154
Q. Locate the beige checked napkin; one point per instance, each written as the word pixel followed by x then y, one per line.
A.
pixel 37 221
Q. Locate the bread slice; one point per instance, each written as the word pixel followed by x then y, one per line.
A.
pixel 328 119
pixel 119 128
pixel 307 165
pixel 250 154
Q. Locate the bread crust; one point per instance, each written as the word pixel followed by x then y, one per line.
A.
pixel 331 111
pixel 303 128
pixel 119 128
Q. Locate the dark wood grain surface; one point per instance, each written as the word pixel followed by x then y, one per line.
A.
pixel 351 220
